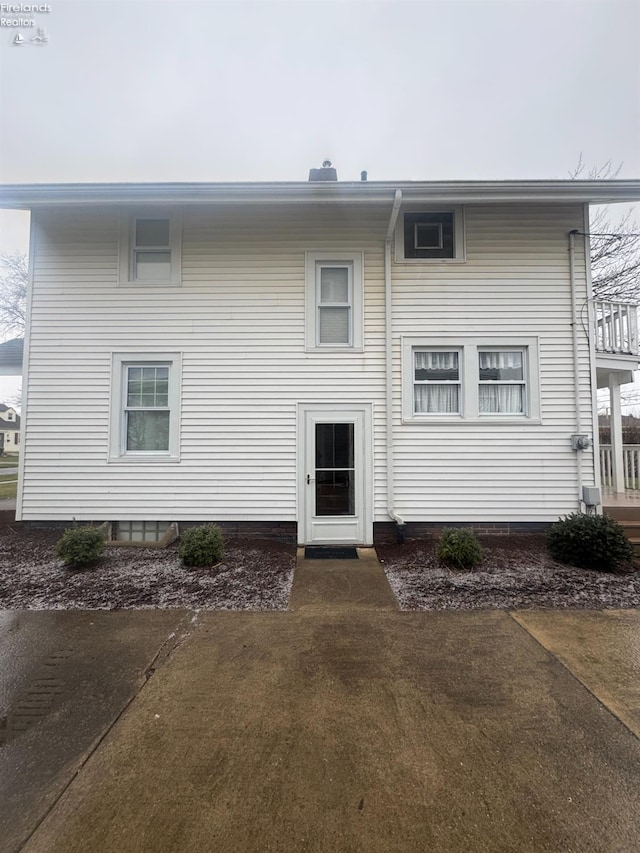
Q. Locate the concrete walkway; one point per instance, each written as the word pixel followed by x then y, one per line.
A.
pixel 326 728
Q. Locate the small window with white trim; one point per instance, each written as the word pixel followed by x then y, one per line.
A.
pixel 430 235
pixel 150 250
pixel 145 407
pixel 436 388
pixel 334 301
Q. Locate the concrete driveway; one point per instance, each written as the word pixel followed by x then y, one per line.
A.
pixel 325 728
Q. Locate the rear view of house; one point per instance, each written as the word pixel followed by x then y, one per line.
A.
pixel 331 361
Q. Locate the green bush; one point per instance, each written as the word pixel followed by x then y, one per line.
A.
pixel 201 546
pixel 80 546
pixel 589 541
pixel 459 548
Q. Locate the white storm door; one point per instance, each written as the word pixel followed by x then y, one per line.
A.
pixel 336 476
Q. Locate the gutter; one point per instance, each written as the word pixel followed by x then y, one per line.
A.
pixel 389 365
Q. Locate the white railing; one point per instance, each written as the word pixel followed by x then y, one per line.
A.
pixel 616 327
pixel 630 462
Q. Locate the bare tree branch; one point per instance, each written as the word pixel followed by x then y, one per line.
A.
pixel 13 293
pixel 615 244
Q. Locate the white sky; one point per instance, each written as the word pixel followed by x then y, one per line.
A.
pixel 150 90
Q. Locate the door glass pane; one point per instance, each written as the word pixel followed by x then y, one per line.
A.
pixel 335 481
pixel 335 493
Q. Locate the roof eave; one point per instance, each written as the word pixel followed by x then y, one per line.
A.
pixel 29 196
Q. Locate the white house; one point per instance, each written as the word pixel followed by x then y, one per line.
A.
pixel 328 360
pixel 9 430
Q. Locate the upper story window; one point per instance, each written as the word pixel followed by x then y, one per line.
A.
pixel 150 250
pixel 430 235
pixel 334 300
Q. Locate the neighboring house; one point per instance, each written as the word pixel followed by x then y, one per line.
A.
pixel 327 360
pixel 11 357
pixel 9 431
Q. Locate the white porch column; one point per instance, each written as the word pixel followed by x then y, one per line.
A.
pixel 616 433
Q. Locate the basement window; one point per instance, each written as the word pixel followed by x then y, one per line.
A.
pixel 140 531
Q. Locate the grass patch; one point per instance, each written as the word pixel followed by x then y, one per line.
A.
pixel 8 486
pixel 9 461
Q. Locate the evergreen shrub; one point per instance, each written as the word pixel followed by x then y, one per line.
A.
pixel 459 548
pixel 201 546
pixel 79 547
pixel 589 541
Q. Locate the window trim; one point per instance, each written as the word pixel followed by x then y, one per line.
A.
pixel 469 348
pixel 117 420
pixel 127 248
pixel 314 261
pixel 459 241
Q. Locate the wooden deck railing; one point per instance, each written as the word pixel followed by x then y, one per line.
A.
pixel 616 327
pixel 631 464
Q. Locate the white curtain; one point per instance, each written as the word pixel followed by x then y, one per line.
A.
pixel 500 360
pixel 435 399
pixel 501 399
pixel 436 360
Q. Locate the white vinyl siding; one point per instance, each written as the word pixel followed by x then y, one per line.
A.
pixel 240 321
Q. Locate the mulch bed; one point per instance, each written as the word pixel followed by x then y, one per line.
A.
pixel 254 575
pixel 516 573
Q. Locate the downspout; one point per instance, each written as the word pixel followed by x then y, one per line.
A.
pixel 389 365
pixel 576 363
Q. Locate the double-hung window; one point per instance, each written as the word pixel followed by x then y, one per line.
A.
pixel 472 379
pixel 145 416
pixel 334 300
pixel 150 250
pixel 502 383
pixel 436 388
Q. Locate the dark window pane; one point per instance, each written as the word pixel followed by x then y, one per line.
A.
pixel 335 493
pixel 148 431
pixel 437 366
pixel 421 227
pixel 334 445
pixel 152 232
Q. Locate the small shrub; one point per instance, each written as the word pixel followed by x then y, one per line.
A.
pixel 201 546
pixel 589 541
pixel 459 548
pixel 80 546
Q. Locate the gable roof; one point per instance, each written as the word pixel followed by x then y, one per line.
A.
pixel 30 196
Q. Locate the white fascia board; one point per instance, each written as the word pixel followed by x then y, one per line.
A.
pixel 28 196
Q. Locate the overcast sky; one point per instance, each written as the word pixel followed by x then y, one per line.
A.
pixel 148 90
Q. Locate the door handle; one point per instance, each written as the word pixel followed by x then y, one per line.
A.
pixel 309 478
